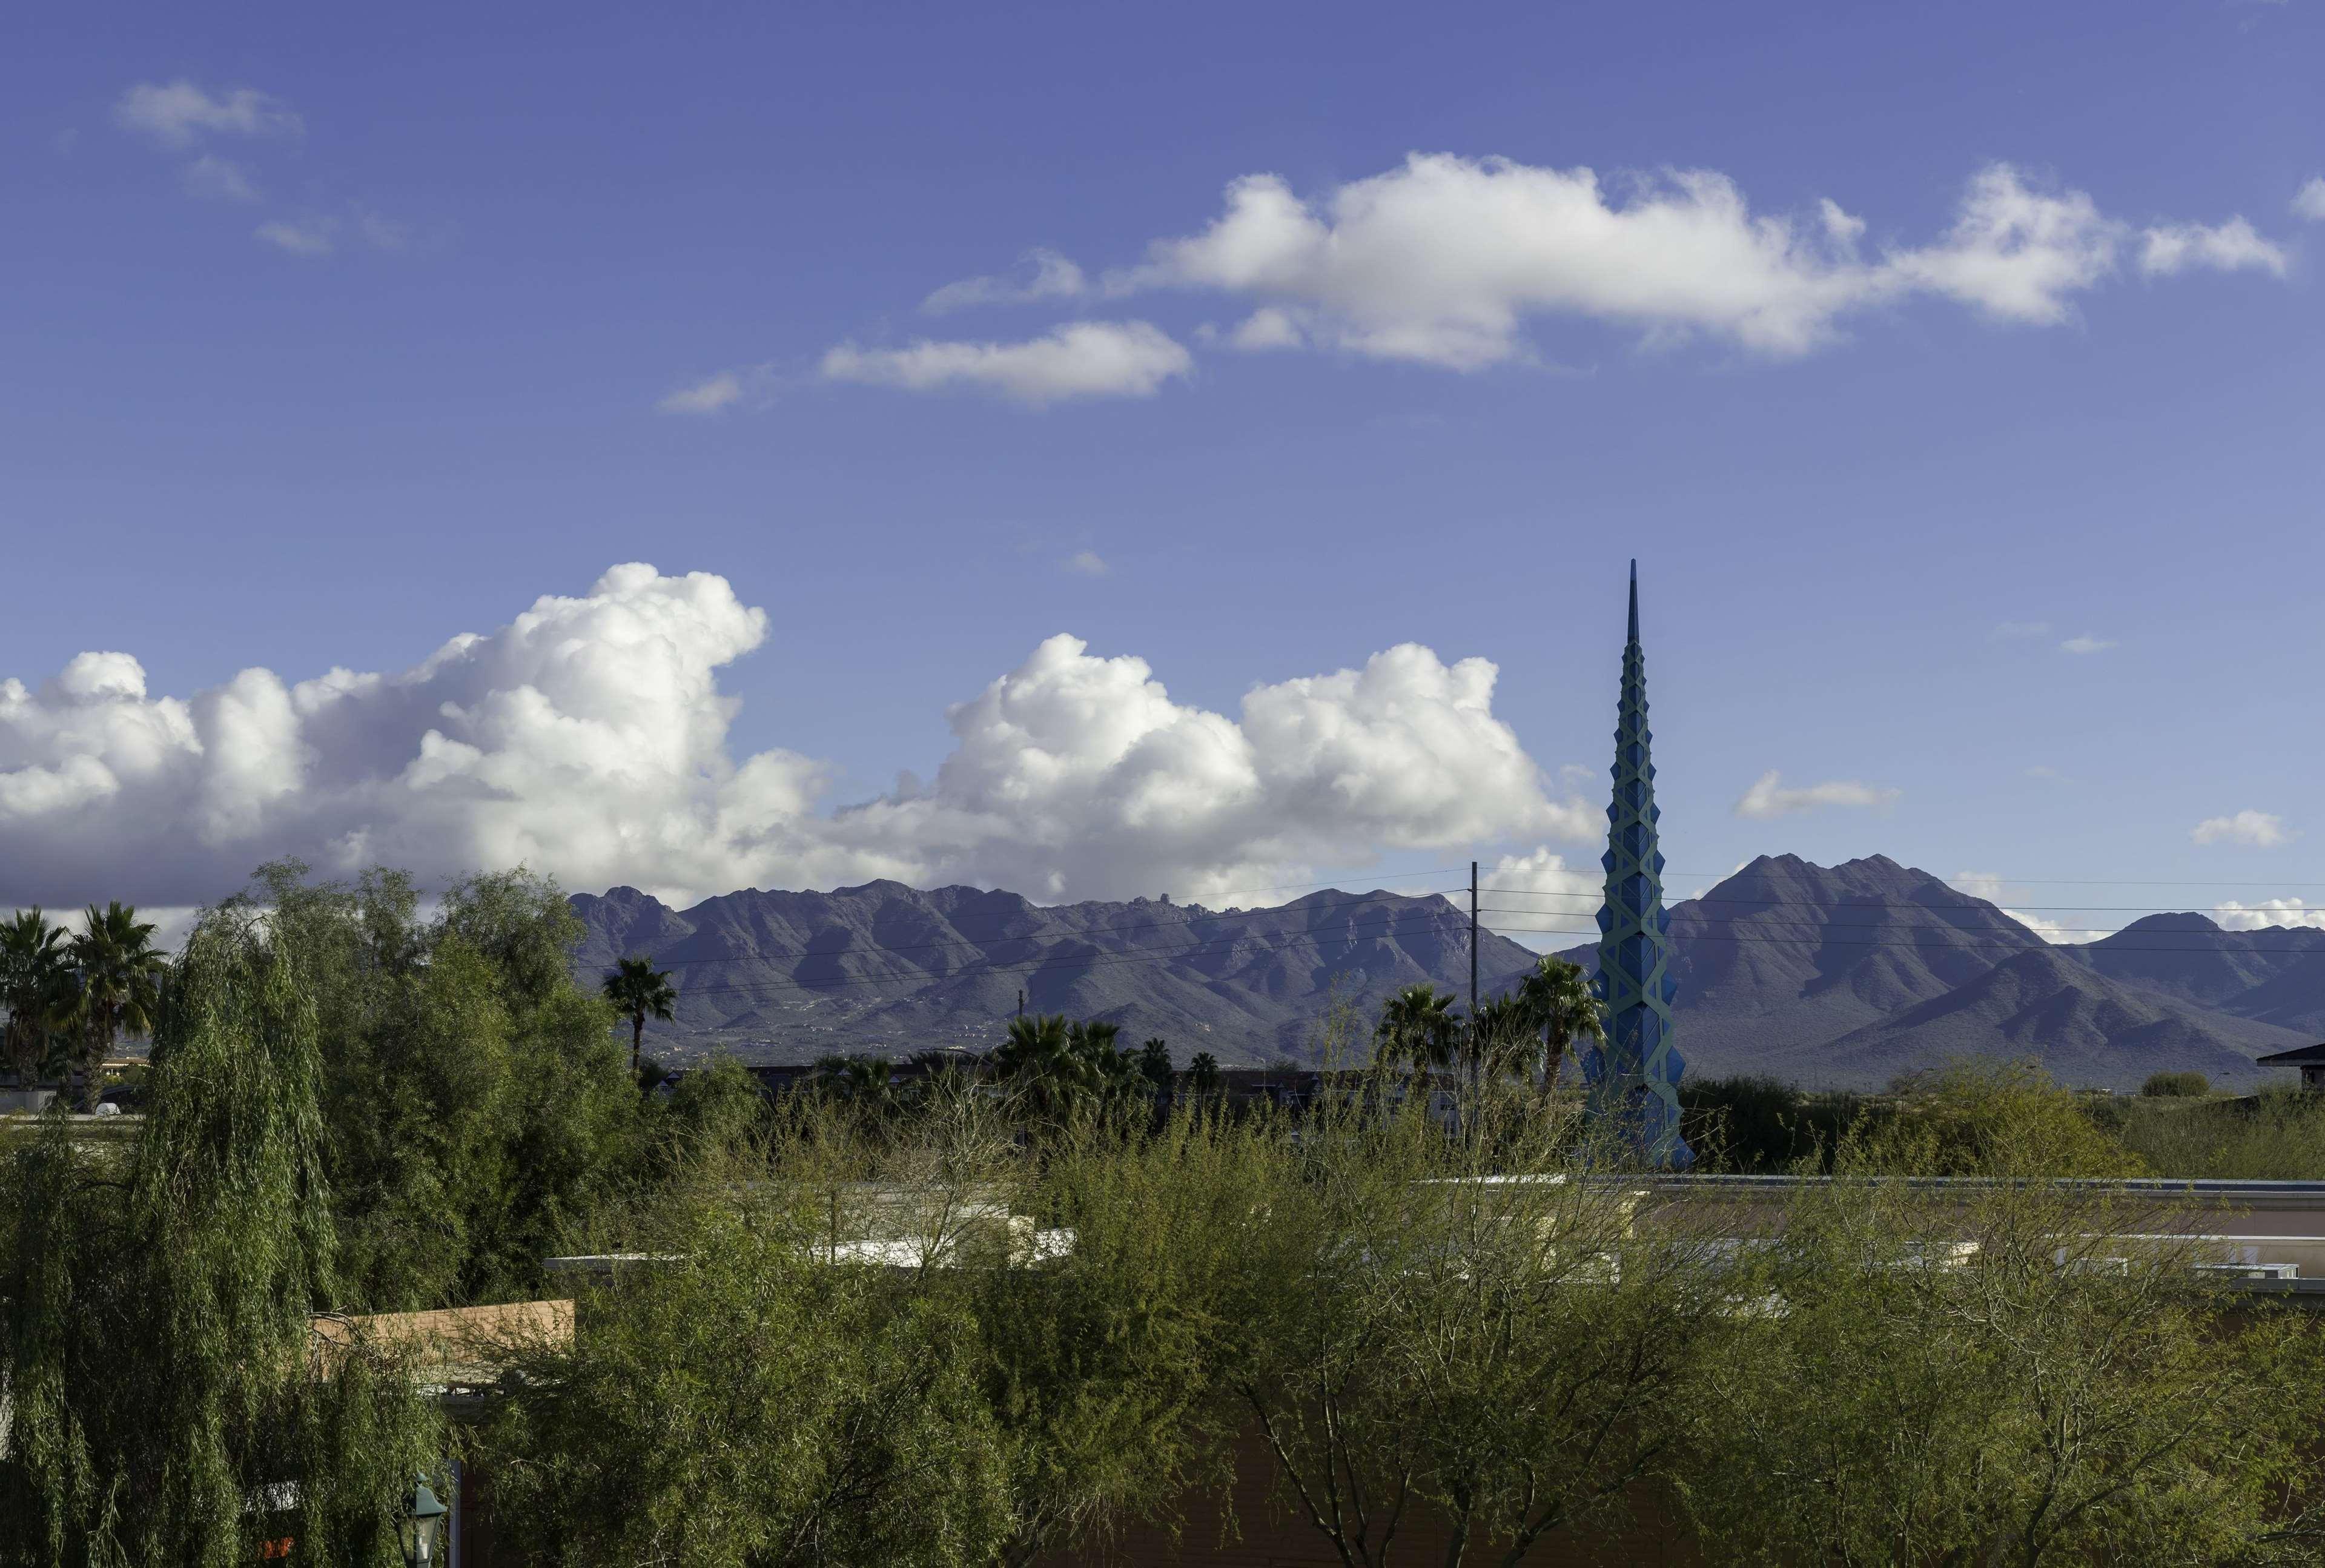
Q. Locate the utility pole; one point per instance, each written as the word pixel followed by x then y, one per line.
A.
pixel 1020 1001
pixel 1473 964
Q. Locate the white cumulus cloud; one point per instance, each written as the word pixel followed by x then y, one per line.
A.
pixel 1543 901
pixel 587 738
pixel 1770 796
pixel 1047 276
pixel 2269 912
pixel 1081 359
pixel 179 114
pixel 1087 564
pixel 2261 830
pixel 2086 643
pixel 2309 201
pixel 2223 248
pixel 1444 259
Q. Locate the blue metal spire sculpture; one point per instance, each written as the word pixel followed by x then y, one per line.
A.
pixel 1634 1077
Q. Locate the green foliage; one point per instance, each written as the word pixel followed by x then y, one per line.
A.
pixel 1982 1118
pixel 1203 1072
pixel 162 1361
pixel 2176 1086
pixel 2275 1136
pixel 1463 1321
pixel 476 1105
pixel 1763 1126
pixel 713 1112
pixel 2028 1376
pixel 747 1403
pixel 1101 1363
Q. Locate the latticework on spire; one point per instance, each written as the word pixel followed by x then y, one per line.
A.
pixel 1634 1077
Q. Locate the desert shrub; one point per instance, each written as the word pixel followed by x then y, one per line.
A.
pixel 1754 1124
pixel 1977 1116
pixel 2275 1136
pixel 2176 1086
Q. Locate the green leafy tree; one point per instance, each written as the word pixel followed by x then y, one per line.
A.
pixel 749 1404
pixel 36 986
pixel 475 1103
pixel 1976 1117
pixel 118 972
pixel 1418 1028
pixel 1101 1361
pixel 1458 1324
pixel 2024 1373
pixel 166 1385
pixel 639 991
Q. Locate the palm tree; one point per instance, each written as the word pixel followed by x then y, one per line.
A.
pixel 35 986
pixel 1066 1063
pixel 1417 1025
pixel 641 992
pixel 119 970
pixel 1507 1037
pixel 864 1080
pixel 1202 1072
pixel 1559 999
pixel 1154 1066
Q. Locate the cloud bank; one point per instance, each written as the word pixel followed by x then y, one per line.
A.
pixel 587 738
pixel 1445 260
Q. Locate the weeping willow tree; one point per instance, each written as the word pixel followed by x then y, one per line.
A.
pixel 168 1400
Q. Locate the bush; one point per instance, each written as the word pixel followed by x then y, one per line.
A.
pixel 2275 1136
pixel 2176 1086
pixel 1763 1125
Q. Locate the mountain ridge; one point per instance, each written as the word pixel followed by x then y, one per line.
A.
pixel 1837 975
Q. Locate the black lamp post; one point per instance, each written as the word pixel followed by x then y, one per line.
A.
pixel 424 1528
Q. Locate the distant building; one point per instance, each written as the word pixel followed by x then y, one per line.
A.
pixel 2310 1059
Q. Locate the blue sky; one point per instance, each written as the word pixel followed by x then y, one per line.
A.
pixel 330 337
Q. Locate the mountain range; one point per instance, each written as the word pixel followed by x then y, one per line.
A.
pixel 1839 976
